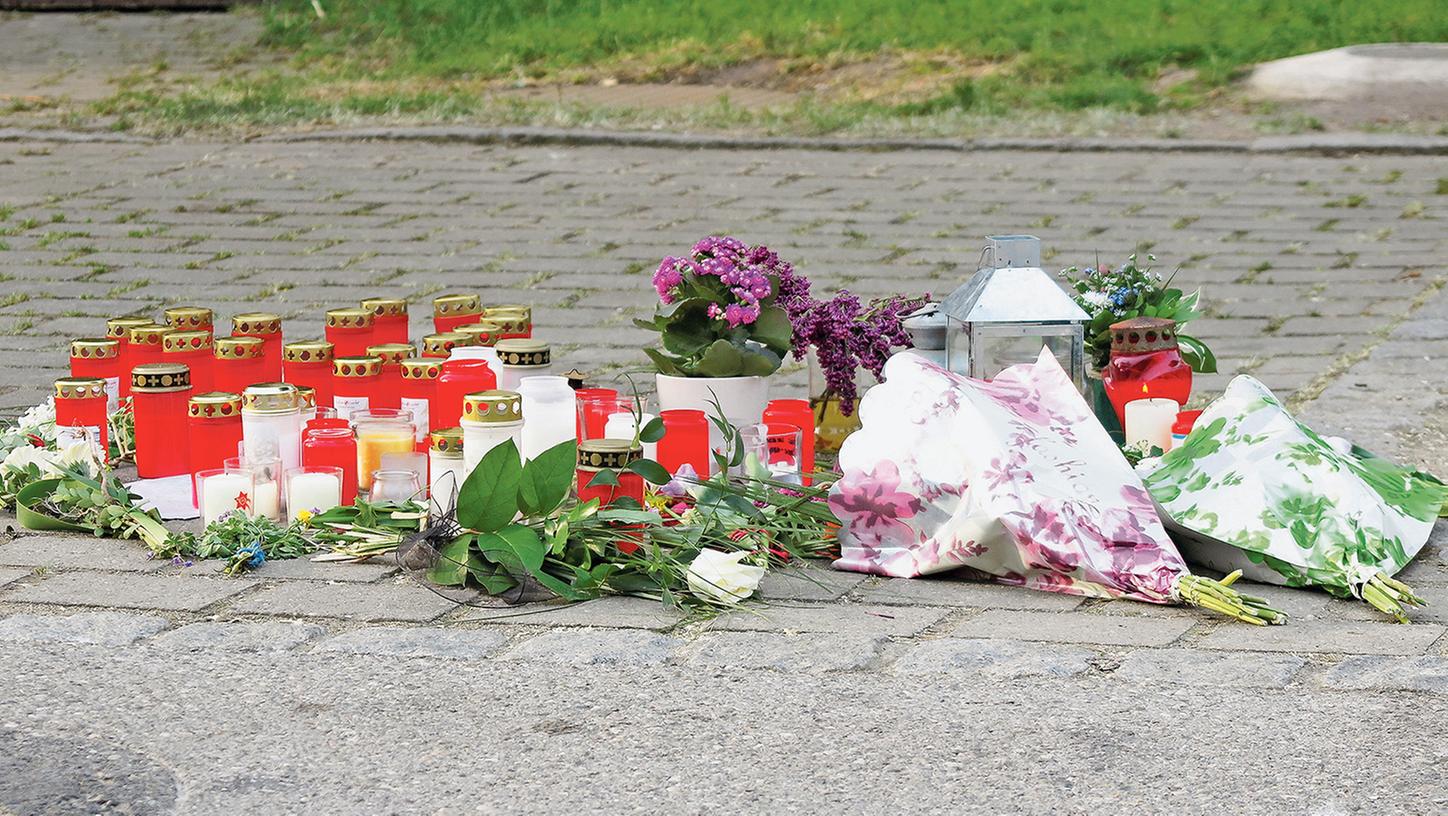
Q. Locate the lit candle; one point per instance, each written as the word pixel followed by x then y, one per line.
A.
pixel 1150 421
pixel 223 493
pixel 314 492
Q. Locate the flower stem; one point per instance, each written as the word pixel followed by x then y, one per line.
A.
pixel 1219 597
pixel 1388 595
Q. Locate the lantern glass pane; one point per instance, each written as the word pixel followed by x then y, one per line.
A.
pixel 1000 346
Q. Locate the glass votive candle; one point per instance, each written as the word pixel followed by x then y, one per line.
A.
pixel 783 451
pixel 193 350
pixel 80 413
pixel 313 489
pixel 213 432
pixel 309 363
pixel 451 311
pixel 238 362
pixel 395 486
pixel 268 328
pixel 489 419
pixel 333 447
pixel 271 421
pixel 455 380
pixel 159 396
pixel 595 455
pixel 446 467
pixel 419 391
pixel 119 330
pixel 623 425
pixel 521 358
pixel 595 406
pixel 415 461
pixel 99 357
pixel 189 318
pixel 517 319
pixel 144 345
pixel 350 331
pixel 441 345
pixel 388 389
pixel 354 382
pixel 796 412
pixel 550 414
pixel 389 319
pixel 266 474
pixel 225 492
pixel 685 441
pixel 380 431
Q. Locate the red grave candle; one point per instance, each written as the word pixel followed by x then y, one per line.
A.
pixel 145 345
pixel 213 431
pixel 419 392
pixel 595 455
pixel 600 403
pixel 309 363
pixel 456 379
pixel 80 405
pixel 119 330
pixel 159 396
pixel 332 447
pixel 354 384
pixel 189 318
pixel 350 331
pixel 99 357
pixel 1145 363
pixel 389 386
pixel 451 311
pixel 192 349
pixel 685 441
pixel 482 332
pixel 238 362
pixel 440 346
pixel 517 320
pixel 796 412
pixel 268 327
pixel 389 319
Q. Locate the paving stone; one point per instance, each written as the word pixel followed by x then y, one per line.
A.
pixel 1068 627
pixel 305 569
pixel 81 552
pixel 595 647
pixel 792 653
pixel 1375 673
pixel 129 591
pixel 9 575
pixel 808 584
pixel 101 628
pixel 240 636
pixel 363 602
pixel 452 644
pixel 998 659
pixel 945 591
pixel 1197 668
pixel 855 619
pixel 1327 637
pixel 615 612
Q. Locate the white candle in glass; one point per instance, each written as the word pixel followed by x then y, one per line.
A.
pixel 621 426
pixel 1150 421
pixel 550 413
pixel 313 492
pixel 223 493
pixel 268 501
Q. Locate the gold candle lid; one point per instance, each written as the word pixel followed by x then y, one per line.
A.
pixel 607 453
pixel 269 398
pixel 178 341
pixel 518 351
pixel 510 310
pixel 214 405
pixel 440 345
pixel 160 378
pixel 95 348
pixel 493 407
pixel 308 351
pixel 449 305
pixel 511 322
pixel 238 348
pixel 255 323
pixel 80 387
pixel 351 318
pixel 306 397
pixel 421 368
pixel 386 306
pixel 482 332
pixel 447 442
pixel 119 327
pixel 148 335
pixel 188 318
pixel 391 353
pixel 356 367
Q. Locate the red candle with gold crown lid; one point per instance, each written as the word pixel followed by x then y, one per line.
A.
pixel 268 327
pixel 159 396
pixel 213 425
pixel 354 383
pixel 451 311
pixel 389 319
pixel 309 363
pixel 189 318
pixel 99 357
pixel 482 332
pixel 80 407
pixel 119 330
pixel 419 392
pixel 192 349
pixel 238 362
pixel 350 331
pixel 440 346
pixel 144 344
pixel 388 392
pixel 517 319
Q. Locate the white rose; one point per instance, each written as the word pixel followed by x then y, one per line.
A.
pixel 719 576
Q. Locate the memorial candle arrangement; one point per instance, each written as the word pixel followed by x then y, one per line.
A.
pixel 521 358
pixel 309 363
pixel 451 311
pixel 193 349
pixel 271 421
pixel 389 320
pixel 419 392
pixel 213 432
pixel 350 331
pixel 99 357
pixel 237 362
pixel 489 419
pixel 189 318
pixel 388 393
pixel 268 328
pixel 80 413
pixel 354 380
pixel 119 330
pixel 159 396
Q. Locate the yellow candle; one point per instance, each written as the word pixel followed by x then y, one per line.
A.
pixel 373 442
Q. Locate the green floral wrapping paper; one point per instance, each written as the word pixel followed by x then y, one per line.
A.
pixel 1252 488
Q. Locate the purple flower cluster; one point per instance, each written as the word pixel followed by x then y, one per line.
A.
pixel 848 335
pixel 745 272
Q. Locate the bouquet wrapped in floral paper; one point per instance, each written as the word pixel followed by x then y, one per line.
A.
pixel 1012 478
pixel 1255 490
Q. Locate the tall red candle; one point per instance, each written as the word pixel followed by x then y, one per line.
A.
pixel 440 346
pixel 333 447
pixel 99 357
pixel 309 363
pixel 213 426
pixel 451 311
pixel 268 327
pixel 591 421
pixel 1146 363
pixel 144 345
pixel 350 331
pixel 80 404
pixel 189 318
pixel 159 396
pixel 419 392
pixel 517 320
pixel 192 349
pixel 238 362
pixel 119 330
pixel 354 383
pixel 796 412
pixel 595 455
pixel 389 319
pixel 389 385
pixel 685 441
pixel 456 379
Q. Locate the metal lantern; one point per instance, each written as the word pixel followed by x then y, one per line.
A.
pixel 1008 310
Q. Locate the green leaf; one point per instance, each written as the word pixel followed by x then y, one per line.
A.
pixel 603 478
pixel 547 478
pixel 488 499
pixel 515 548
pixel 1197 355
pixel 688 328
pixel 758 362
pixel 652 471
pixel 773 329
pixel 666 364
pixel 451 566
pixel 721 359
pixel 652 431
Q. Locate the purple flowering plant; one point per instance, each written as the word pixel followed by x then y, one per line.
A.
pixel 848 334
pixel 725 310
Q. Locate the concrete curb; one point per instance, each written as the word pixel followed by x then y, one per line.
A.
pixel 1315 144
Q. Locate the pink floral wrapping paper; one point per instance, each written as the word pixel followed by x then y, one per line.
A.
pixel 1012 477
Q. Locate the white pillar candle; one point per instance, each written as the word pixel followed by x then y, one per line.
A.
pixel 550 414
pixel 313 492
pixel 1150 421
pixel 226 493
pixel 268 501
pixel 622 426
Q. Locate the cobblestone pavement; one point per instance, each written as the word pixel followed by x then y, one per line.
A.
pixel 1322 279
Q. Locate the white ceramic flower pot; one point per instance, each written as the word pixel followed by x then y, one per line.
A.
pixel 743 399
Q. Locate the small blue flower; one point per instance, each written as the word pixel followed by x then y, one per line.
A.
pixel 1120 297
pixel 257 556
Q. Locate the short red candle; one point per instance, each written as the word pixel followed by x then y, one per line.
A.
pixel 119 330
pixel 389 319
pixel 189 318
pixel 597 418
pixel 796 412
pixel 456 379
pixel 517 320
pixel 238 362
pixel 481 332
pixel 213 425
pixel 440 346
pixel 309 363
pixel 350 331
pixel 99 357
pixel 268 327
pixel 419 393
pixel 1145 363
pixel 354 384
pixel 192 349
pixel 685 441
pixel 389 385
pixel 595 455
pixel 332 447
pixel 80 403
pixel 451 311
pixel 159 396
pixel 144 346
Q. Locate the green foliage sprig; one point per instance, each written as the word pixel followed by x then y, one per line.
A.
pixel 1112 295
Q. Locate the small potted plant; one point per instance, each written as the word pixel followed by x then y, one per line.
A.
pixel 725 322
